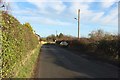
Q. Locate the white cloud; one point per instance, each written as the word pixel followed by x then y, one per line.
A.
pixel 84 9
pixel 85 13
pixel 89 16
pixel 55 22
pixel 43 5
pixel 108 0
pixel 16 10
pixel 52 13
pixel 58 6
pixel 43 21
pixel 24 15
pixel 108 3
pixel 62 0
pixel 97 16
pixel 111 18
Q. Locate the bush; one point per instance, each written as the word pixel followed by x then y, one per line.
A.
pixel 110 48
pixel 17 41
pixel 79 44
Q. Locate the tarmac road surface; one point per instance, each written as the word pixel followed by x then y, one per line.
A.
pixel 57 62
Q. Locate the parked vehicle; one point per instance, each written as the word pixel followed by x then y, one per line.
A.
pixel 63 43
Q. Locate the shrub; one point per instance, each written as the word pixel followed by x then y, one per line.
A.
pixel 109 48
pixel 17 41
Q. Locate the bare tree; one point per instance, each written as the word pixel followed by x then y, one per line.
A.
pixel 97 35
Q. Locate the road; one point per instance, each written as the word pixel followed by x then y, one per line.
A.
pixel 57 62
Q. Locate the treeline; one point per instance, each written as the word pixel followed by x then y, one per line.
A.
pixel 60 36
pixel 17 41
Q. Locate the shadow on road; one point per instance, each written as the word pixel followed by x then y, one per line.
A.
pixel 58 60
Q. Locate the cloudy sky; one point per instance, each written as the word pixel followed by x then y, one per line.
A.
pixel 47 16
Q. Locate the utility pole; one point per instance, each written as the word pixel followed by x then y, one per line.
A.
pixel 56 33
pixel 78 23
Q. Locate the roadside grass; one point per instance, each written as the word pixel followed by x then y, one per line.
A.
pixel 26 70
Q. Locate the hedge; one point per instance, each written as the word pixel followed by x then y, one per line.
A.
pixel 103 48
pixel 17 41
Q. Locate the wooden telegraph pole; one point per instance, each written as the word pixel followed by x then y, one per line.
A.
pixel 78 23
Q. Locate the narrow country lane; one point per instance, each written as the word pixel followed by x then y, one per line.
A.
pixel 56 62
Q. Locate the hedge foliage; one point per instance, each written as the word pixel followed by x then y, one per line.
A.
pixel 17 41
pixel 108 48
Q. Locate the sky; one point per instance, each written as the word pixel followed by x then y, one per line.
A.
pixel 49 16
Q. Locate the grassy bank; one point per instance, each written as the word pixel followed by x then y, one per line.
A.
pixel 26 70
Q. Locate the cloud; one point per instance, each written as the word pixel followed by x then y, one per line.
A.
pixel 43 21
pixel 108 4
pixel 108 0
pixel 58 13
pixel 88 16
pixel 56 22
pixel 97 16
pixel 75 6
pixel 62 0
pixel 44 6
pixel 111 18
pixel 58 6
pixel 85 13
pixel 25 14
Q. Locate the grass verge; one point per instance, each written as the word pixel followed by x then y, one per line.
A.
pixel 26 70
